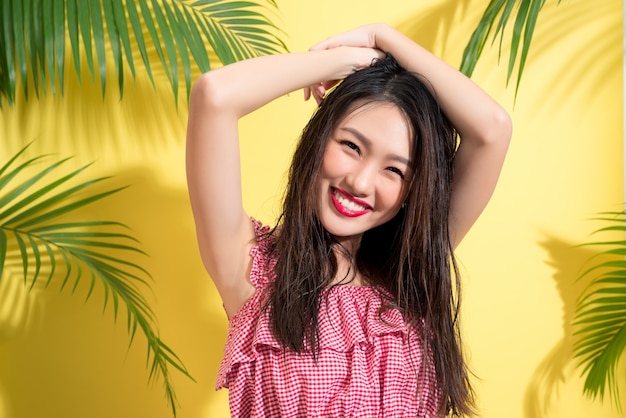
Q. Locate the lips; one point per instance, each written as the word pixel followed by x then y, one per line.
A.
pixel 348 205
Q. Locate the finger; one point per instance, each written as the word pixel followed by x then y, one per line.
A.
pixel 317 47
pixel 329 84
pixel 307 93
pixel 318 93
pixel 319 99
pixel 320 46
pixel 328 43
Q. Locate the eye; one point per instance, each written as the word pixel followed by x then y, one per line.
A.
pixel 351 145
pixel 397 171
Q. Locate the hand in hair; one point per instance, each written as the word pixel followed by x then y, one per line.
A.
pixel 363 57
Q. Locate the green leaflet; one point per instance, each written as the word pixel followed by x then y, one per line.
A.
pixel 33 220
pixel 600 318
pixel 179 31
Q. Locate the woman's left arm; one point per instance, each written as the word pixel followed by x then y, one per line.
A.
pixel 483 125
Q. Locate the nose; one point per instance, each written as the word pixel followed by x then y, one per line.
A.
pixel 362 180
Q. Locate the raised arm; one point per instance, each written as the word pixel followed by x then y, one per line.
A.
pixel 218 99
pixel 483 125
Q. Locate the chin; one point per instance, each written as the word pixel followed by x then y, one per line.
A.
pixel 340 228
pixel 344 233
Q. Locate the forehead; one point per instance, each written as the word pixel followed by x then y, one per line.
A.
pixel 382 123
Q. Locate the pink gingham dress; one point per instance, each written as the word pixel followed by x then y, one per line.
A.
pixel 365 368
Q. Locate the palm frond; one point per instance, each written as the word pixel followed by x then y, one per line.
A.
pixel 33 39
pixel 34 211
pixel 601 314
pixel 501 11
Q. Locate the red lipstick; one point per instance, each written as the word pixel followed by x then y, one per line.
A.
pixel 348 205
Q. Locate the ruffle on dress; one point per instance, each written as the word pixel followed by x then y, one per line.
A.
pixel 368 364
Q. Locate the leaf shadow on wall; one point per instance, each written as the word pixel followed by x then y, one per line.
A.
pixel 75 361
pixel 557 368
pixel 93 125
pixel 432 26
pixel 446 27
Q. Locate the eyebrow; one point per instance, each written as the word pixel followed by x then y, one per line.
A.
pixel 368 142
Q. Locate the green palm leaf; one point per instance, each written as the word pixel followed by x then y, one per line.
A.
pixel 34 211
pixel 501 11
pixel 33 38
pixel 601 314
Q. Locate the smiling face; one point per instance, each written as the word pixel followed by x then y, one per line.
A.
pixel 365 171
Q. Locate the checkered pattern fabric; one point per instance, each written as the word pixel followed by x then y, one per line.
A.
pixel 368 365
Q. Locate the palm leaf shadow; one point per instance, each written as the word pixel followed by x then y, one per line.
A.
pixel 595 53
pixel 431 26
pixel 558 365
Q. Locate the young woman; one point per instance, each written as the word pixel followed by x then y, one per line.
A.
pixel 348 307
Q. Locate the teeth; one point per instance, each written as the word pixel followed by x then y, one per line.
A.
pixel 348 204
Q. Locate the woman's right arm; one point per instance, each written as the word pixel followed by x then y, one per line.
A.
pixel 218 100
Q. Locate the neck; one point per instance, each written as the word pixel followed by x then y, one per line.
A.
pixel 350 244
pixel 347 272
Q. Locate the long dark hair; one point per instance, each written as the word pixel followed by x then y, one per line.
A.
pixel 410 256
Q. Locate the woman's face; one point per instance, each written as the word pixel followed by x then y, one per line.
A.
pixel 365 171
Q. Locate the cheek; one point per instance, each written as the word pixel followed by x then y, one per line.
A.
pixel 334 162
pixel 394 195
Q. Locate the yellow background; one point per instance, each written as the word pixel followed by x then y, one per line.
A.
pixel 61 357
